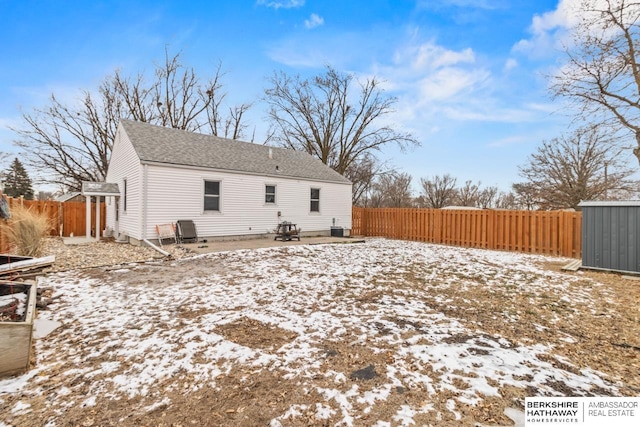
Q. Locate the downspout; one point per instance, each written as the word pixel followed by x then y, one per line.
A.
pixel 152 246
pixel 143 211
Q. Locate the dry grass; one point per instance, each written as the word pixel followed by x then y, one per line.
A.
pixel 243 338
pixel 26 231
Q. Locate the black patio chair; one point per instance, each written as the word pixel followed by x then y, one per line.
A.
pixel 186 231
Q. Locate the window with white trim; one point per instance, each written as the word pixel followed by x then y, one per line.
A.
pixel 212 196
pixel 315 200
pixel 269 193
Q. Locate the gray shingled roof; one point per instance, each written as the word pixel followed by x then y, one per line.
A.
pixel 99 188
pixel 177 147
pixel 67 196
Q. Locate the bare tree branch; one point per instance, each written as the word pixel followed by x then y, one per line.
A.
pixel 438 191
pixel 72 144
pixel 602 73
pixel 363 174
pixel 319 116
pixel 587 165
pixel 392 190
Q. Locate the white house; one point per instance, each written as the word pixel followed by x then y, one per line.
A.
pixel 230 189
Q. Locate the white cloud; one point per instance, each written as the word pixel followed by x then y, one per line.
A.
pixel 291 54
pixel 281 4
pixel 431 56
pixel 313 21
pixel 544 107
pixel 448 84
pixel 548 31
pixel 510 64
pixel 510 140
pixel 442 88
pixel 476 4
pixel 313 49
pixel 428 72
pixel 551 31
pixel 485 110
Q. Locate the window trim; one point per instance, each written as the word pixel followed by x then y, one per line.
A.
pixel 275 194
pixel 205 195
pixel 311 200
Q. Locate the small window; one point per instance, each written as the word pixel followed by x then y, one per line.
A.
pixel 315 200
pixel 124 196
pixel 270 194
pixel 212 196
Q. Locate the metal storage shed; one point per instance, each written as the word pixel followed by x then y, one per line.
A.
pixel 611 235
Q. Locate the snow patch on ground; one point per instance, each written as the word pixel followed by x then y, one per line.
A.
pixel 135 341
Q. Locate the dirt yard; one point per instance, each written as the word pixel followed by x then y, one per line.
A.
pixel 384 333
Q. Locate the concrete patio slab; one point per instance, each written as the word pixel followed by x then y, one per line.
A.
pixel 233 245
pixel 78 240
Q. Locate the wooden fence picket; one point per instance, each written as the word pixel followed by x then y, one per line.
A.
pixel 66 218
pixel 543 232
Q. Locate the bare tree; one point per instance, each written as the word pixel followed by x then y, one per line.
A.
pixel 330 119
pixel 392 190
pixel 487 197
pixel 507 200
pixel 438 191
pixel 587 165
pixel 602 73
pixel 526 195
pixel 72 143
pixel 45 195
pixel 468 194
pixel 363 174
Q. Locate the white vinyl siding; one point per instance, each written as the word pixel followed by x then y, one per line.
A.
pixel 125 165
pixel 177 193
pixel 174 193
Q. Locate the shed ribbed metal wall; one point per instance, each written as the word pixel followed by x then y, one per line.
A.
pixel 611 235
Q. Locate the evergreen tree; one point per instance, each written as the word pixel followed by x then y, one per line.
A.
pixel 17 182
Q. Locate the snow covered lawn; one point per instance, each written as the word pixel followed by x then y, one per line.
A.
pixel 383 333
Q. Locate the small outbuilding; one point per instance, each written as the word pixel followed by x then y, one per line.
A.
pixel 228 188
pixel 75 196
pixel 611 235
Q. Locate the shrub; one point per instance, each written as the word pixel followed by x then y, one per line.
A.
pixel 26 230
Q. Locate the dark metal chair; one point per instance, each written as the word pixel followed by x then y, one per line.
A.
pixel 186 231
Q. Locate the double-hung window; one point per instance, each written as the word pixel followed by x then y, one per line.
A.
pixel 315 200
pixel 269 193
pixel 212 196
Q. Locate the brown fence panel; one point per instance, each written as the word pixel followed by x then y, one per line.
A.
pixel 543 232
pixel 65 218
pixel 75 215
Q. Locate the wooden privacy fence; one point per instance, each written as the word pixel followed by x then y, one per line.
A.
pixel 542 232
pixel 65 218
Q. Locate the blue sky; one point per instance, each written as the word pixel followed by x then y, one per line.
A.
pixel 468 74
